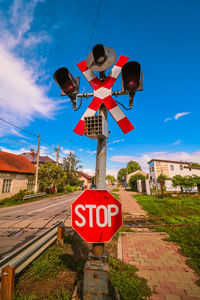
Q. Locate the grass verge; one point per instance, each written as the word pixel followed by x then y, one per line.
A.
pixel 54 274
pixel 116 195
pixel 182 210
pixel 17 199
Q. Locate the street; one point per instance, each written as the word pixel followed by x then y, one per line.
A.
pixel 19 224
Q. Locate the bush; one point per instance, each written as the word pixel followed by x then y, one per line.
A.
pixel 15 199
pixel 133 181
pixel 71 189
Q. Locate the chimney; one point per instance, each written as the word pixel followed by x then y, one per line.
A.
pixel 31 150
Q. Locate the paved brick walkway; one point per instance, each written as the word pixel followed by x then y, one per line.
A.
pixel 158 261
pixel 129 205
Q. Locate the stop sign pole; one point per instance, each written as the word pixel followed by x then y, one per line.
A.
pixel 98 248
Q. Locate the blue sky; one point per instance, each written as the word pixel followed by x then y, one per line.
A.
pixel 38 37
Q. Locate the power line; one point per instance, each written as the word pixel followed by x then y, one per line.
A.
pixel 26 131
pixel 19 127
pixel 93 29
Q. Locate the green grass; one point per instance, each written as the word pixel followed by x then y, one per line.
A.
pixel 46 267
pixel 182 210
pixel 17 199
pixel 115 195
pixel 115 190
pixel 130 286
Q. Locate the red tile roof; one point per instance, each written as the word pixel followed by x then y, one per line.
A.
pixel 15 163
pixel 32 157
pixel 85 175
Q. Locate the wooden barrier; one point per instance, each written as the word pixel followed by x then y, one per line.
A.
pixel 60 235
pixel 8 283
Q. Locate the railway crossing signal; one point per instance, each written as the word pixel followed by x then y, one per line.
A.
pixel 96 214
pixel 103 95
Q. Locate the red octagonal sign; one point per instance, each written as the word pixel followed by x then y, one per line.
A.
pixel 96 216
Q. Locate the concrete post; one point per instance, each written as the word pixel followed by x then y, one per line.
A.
pixel 139 186
pixel 147 183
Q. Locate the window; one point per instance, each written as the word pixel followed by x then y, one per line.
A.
pixel 190 169
pixel 171 168
pixel 181 167
pixel 6 185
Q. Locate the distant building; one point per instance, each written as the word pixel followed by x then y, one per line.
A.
pixel 87 179
pixel 16 173
pixel 32 157
pixel 136 173
pixel 171 168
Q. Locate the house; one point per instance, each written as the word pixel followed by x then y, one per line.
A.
pixel 16 173
pixel 171 168
pixel 32 157
pixel 87 179
pixel 136 173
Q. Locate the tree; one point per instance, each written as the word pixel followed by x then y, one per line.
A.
pixel 133 166
pixel 194 164
pixel 178 180
pixel 71 166
pixel 189 181
pixel 111 178
pixel 197 182
pixel 133 181
pixel 50 175
pixel 186 181
pixel 163 178
pixel 121 176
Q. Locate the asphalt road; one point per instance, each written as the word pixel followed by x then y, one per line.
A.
pixel 19 224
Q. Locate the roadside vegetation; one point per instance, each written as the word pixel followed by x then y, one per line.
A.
pixel 19 197
pixel 56 272
pixel 54 180
pixel 184 211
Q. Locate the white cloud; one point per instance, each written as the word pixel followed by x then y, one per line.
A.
pixel 167 119
pixel 178 115
pixel 117 141
pixel 144 158
pixel 14 151
pixel 177 142
pixel 108 172
pixel 91 152
pixel 21 98
pixel 80 150
pixel 89 171
pixel 67 151
pixel 112 172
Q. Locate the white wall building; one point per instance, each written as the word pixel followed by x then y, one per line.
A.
pixel 171 168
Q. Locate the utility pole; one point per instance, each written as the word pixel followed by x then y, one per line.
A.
pixel 57 151
pixel 37 166
pixel 57 155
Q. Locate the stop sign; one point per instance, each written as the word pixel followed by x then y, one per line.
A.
pixel 96 216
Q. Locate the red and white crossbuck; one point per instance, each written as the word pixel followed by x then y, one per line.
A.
pixel 103 95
